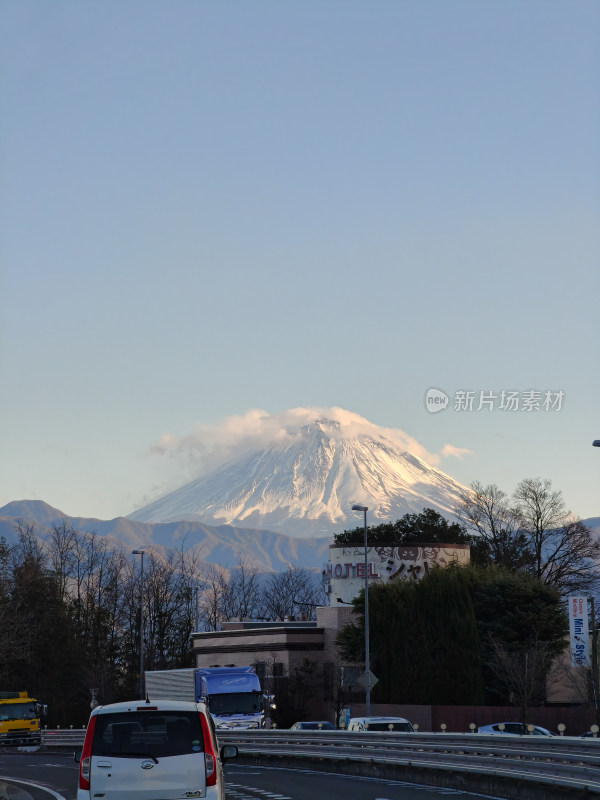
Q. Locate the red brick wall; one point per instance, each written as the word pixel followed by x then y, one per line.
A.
pixel 457 718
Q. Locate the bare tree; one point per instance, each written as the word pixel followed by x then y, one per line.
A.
pixel 306 682
pixel 498 538
pixel 579 681
pixel 292 592
pixel 7 643
pixel 227 595
pixel 565 554
pixel 531 532
pixel 341 685
pixel 168 596
pixel 210 601
pixel 522 672
pixel 62 541
pixel 242 596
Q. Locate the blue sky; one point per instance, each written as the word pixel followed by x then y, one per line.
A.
pixel 213 207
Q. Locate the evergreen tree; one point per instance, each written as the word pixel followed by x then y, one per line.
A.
pixel 435 641
pixel 428 527
pixel 47 663
pixel 519 613
pixel 423 640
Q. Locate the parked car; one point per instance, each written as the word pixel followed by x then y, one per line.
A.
pixel 320 725
pixel 140 750
pixel 514 729
pixel 380 724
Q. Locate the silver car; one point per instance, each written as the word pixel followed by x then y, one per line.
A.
pixel 320 725
pixel 397 724
pixel 514 729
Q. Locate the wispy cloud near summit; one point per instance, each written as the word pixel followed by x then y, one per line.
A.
pixel 207 447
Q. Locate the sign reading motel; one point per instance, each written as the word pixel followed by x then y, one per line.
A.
pixel 344 573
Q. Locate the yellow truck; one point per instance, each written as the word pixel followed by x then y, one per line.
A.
pixel 20 719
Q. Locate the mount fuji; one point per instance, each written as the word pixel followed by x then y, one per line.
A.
pixel 305 485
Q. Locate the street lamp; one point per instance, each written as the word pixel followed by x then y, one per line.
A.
pixel 364 509
pixel 141 553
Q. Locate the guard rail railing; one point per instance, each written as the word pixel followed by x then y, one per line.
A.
pixel 551 767
pixel 557 766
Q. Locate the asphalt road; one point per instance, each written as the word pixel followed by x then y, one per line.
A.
pixel 45 774
pixel 50 776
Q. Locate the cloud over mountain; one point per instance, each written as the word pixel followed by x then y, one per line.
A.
pixel 208 447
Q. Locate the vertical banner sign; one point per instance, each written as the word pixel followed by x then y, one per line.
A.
pixel 580 636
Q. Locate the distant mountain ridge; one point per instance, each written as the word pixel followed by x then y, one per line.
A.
pixel 223 545
pixel 306 485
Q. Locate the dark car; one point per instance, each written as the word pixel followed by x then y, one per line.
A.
pixel 320 725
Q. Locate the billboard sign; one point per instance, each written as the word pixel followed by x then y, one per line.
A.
pixel 579 631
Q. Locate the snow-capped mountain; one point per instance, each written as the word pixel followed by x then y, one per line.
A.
pixel 306 485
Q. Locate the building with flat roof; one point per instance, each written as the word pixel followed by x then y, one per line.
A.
pixel 279 650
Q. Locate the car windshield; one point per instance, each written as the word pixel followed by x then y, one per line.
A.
pixel 235 703
pixel 146 733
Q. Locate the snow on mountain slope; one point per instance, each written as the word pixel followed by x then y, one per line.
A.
pixel 306 485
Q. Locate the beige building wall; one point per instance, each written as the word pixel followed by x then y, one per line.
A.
pixel 270 643
pixel 277 648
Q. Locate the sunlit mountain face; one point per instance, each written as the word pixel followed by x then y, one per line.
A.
pixel 306 485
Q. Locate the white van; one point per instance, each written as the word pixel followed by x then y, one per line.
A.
pixel 141 750
pixel 397 724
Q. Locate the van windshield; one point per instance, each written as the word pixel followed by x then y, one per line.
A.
pixel 147 733
pixel 388 726
pixel 235 703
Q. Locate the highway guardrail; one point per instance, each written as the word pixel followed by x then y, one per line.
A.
pixel 533 767
pixel 557 768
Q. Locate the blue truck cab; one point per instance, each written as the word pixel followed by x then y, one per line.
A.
pixel 233 695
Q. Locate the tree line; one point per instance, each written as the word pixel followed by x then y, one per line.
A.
pixel 532 533
pixel 488 633
pixel 70 613
pixel 70 608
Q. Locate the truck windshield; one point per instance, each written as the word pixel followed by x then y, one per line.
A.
pixel 242 703
pixel 17 711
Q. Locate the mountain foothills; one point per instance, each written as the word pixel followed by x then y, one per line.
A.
pixel 223 545
pixel 306 484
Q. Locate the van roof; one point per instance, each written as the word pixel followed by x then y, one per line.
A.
pixel 142 705
pixel 379 719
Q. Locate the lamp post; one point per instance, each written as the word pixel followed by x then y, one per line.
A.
pixel 196 614
pixel 141 553
pixel 364 509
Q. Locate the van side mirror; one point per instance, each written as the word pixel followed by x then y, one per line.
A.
pixel 77 756
pixel 228 751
